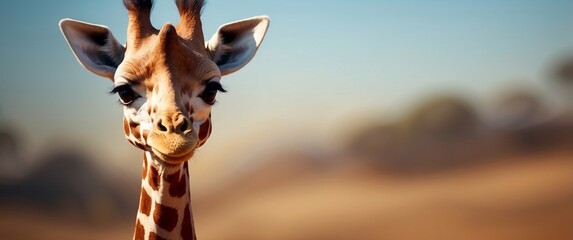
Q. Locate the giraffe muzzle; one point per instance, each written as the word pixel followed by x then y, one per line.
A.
pixel 172 138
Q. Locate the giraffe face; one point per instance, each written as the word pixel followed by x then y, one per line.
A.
pixel 166 79
pixel 167 90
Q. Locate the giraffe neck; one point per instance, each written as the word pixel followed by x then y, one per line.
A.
pixel 165 202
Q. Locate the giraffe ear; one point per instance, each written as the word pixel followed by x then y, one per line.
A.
pixel 235 44
pixel 94 46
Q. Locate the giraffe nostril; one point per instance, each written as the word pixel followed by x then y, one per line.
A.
pixel 160 126
pixel 184 125
pixel 176 123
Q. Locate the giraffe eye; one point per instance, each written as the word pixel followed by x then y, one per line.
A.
pixel 126 94
pixel 208 95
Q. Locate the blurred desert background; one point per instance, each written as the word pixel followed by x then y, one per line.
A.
pixel 356 120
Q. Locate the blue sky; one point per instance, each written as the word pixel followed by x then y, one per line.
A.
pixel 322 64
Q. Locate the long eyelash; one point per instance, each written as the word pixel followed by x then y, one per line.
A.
pixel 216 86
pixel 117 88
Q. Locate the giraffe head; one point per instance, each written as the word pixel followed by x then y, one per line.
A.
pixel 166 78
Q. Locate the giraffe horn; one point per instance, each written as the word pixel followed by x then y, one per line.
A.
pixel 168 38
pixel 190 18
pixel 139 24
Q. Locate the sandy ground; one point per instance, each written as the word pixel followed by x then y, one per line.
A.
pixel 524 199
pixel 32 226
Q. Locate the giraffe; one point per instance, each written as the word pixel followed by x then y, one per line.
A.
pixel 167 80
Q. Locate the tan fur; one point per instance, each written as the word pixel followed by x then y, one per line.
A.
pixel 165 68
pixel 169 66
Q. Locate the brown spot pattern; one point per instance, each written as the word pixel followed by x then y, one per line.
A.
pixel 153 236
pixel 135 132
pixel 187 229
pixel 177 186
pixel 145 203
pixel 173 177
pixel 139 231
pixel 139 145
pixel 125 126
pixel 154 178
pixel 134 129
pixel 145 134
pixel 165 217
pixel 133 124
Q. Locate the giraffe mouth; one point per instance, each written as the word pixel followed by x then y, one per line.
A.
pixel 173 158
pixel 172 148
